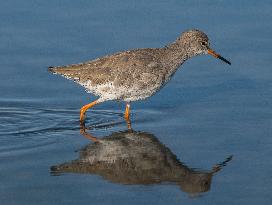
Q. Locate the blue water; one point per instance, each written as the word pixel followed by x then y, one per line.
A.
pixel 208 112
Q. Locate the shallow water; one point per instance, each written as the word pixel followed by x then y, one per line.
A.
pixel 207 113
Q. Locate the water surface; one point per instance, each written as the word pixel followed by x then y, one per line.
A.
pixel 207 113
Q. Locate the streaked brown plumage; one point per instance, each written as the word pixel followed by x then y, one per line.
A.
pixel 135 74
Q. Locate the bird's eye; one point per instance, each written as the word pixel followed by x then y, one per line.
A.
pixel 204 43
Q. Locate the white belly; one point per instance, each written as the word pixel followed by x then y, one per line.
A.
pixel 111 92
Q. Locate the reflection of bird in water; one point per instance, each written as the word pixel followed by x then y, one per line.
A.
pixel 132 157
pixel 136 74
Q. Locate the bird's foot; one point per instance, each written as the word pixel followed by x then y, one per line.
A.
pixel 127 118
pixel 128 124
pixel 82 118
pixel 87 135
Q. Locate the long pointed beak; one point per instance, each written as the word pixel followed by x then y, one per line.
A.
pixel 211 52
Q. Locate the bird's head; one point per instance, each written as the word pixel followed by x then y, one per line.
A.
pixel 197 43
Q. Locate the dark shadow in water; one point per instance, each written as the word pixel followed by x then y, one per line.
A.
pixel 133 157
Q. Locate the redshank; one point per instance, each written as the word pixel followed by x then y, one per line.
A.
pixel 135 74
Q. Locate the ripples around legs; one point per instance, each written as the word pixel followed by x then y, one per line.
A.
pixel 24 128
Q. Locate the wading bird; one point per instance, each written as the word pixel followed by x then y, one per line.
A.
pixel 135 74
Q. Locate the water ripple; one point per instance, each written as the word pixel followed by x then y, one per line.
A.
pixel 30 127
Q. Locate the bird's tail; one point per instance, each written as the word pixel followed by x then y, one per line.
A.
pixel 70 72
pixel 52 69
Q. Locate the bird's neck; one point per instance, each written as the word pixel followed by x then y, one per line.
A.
pixel 176 54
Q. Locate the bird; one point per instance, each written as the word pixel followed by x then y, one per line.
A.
pixel 135 74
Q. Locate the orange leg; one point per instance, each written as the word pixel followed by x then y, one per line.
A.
pixel 127 112
pixel 84 109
